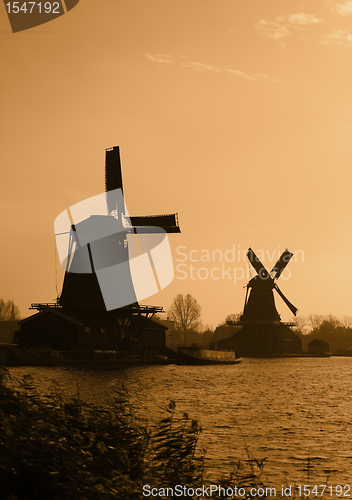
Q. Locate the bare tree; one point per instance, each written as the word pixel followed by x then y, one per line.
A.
pixel 330 326
pixel 9 311
pixel 315 320
pixel 300 324
pixel 185 312
pixel 347 321
pixel 232 318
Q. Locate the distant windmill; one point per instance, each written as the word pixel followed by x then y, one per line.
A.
pixel 259 332
pixel 260 304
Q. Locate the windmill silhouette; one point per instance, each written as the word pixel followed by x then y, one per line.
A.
pixel 101 241
pixel 259 331
pixel 80 287
pixel 259 302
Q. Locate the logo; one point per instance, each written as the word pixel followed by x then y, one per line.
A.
pixel 131 263
pixel 26 15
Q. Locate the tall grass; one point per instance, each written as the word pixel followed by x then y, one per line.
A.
pixel 64 449
pixel 174 454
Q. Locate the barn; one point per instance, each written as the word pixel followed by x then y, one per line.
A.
pixel 319 347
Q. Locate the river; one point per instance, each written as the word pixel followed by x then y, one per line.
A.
pixel 284 409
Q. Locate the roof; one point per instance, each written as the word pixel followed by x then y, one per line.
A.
pixel 319 341
pixel 155 325
pixel 50 311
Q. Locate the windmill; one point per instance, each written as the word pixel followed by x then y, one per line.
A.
pixel 259 302
pixel 99 241
pixel 80 287
pixel 259 331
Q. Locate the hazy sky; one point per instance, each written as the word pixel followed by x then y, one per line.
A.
pixel 237 114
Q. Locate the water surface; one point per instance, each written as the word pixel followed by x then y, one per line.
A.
pixel 283 409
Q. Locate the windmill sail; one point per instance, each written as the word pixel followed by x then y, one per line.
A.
pixel 292 308
pixel 113 178
pixel 258 266
pixel 167 222
pixel 281 264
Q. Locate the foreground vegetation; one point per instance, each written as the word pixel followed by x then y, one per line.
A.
pixel 58 448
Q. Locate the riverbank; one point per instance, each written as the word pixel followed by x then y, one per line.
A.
pixel 12 355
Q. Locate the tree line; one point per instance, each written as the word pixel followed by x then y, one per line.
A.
pixel 315 323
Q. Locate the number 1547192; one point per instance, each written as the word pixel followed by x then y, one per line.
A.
pixel 33 7
pixel 323 490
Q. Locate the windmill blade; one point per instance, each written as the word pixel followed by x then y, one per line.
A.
pixel 281 263
pixel 113 177
pixel 258 266
pixel 146 223
pixel 292 308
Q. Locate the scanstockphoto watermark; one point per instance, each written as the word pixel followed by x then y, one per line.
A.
pixel 229 264
pixel 298 490
pixel 207 491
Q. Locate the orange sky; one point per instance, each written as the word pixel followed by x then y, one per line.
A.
pixel 235 114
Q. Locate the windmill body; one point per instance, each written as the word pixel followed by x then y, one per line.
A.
pixel 261 304
pixel 109 254
pixel 80 287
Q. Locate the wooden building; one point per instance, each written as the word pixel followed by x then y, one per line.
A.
pixel 261 339
pixel 86 332
pixel 319 346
